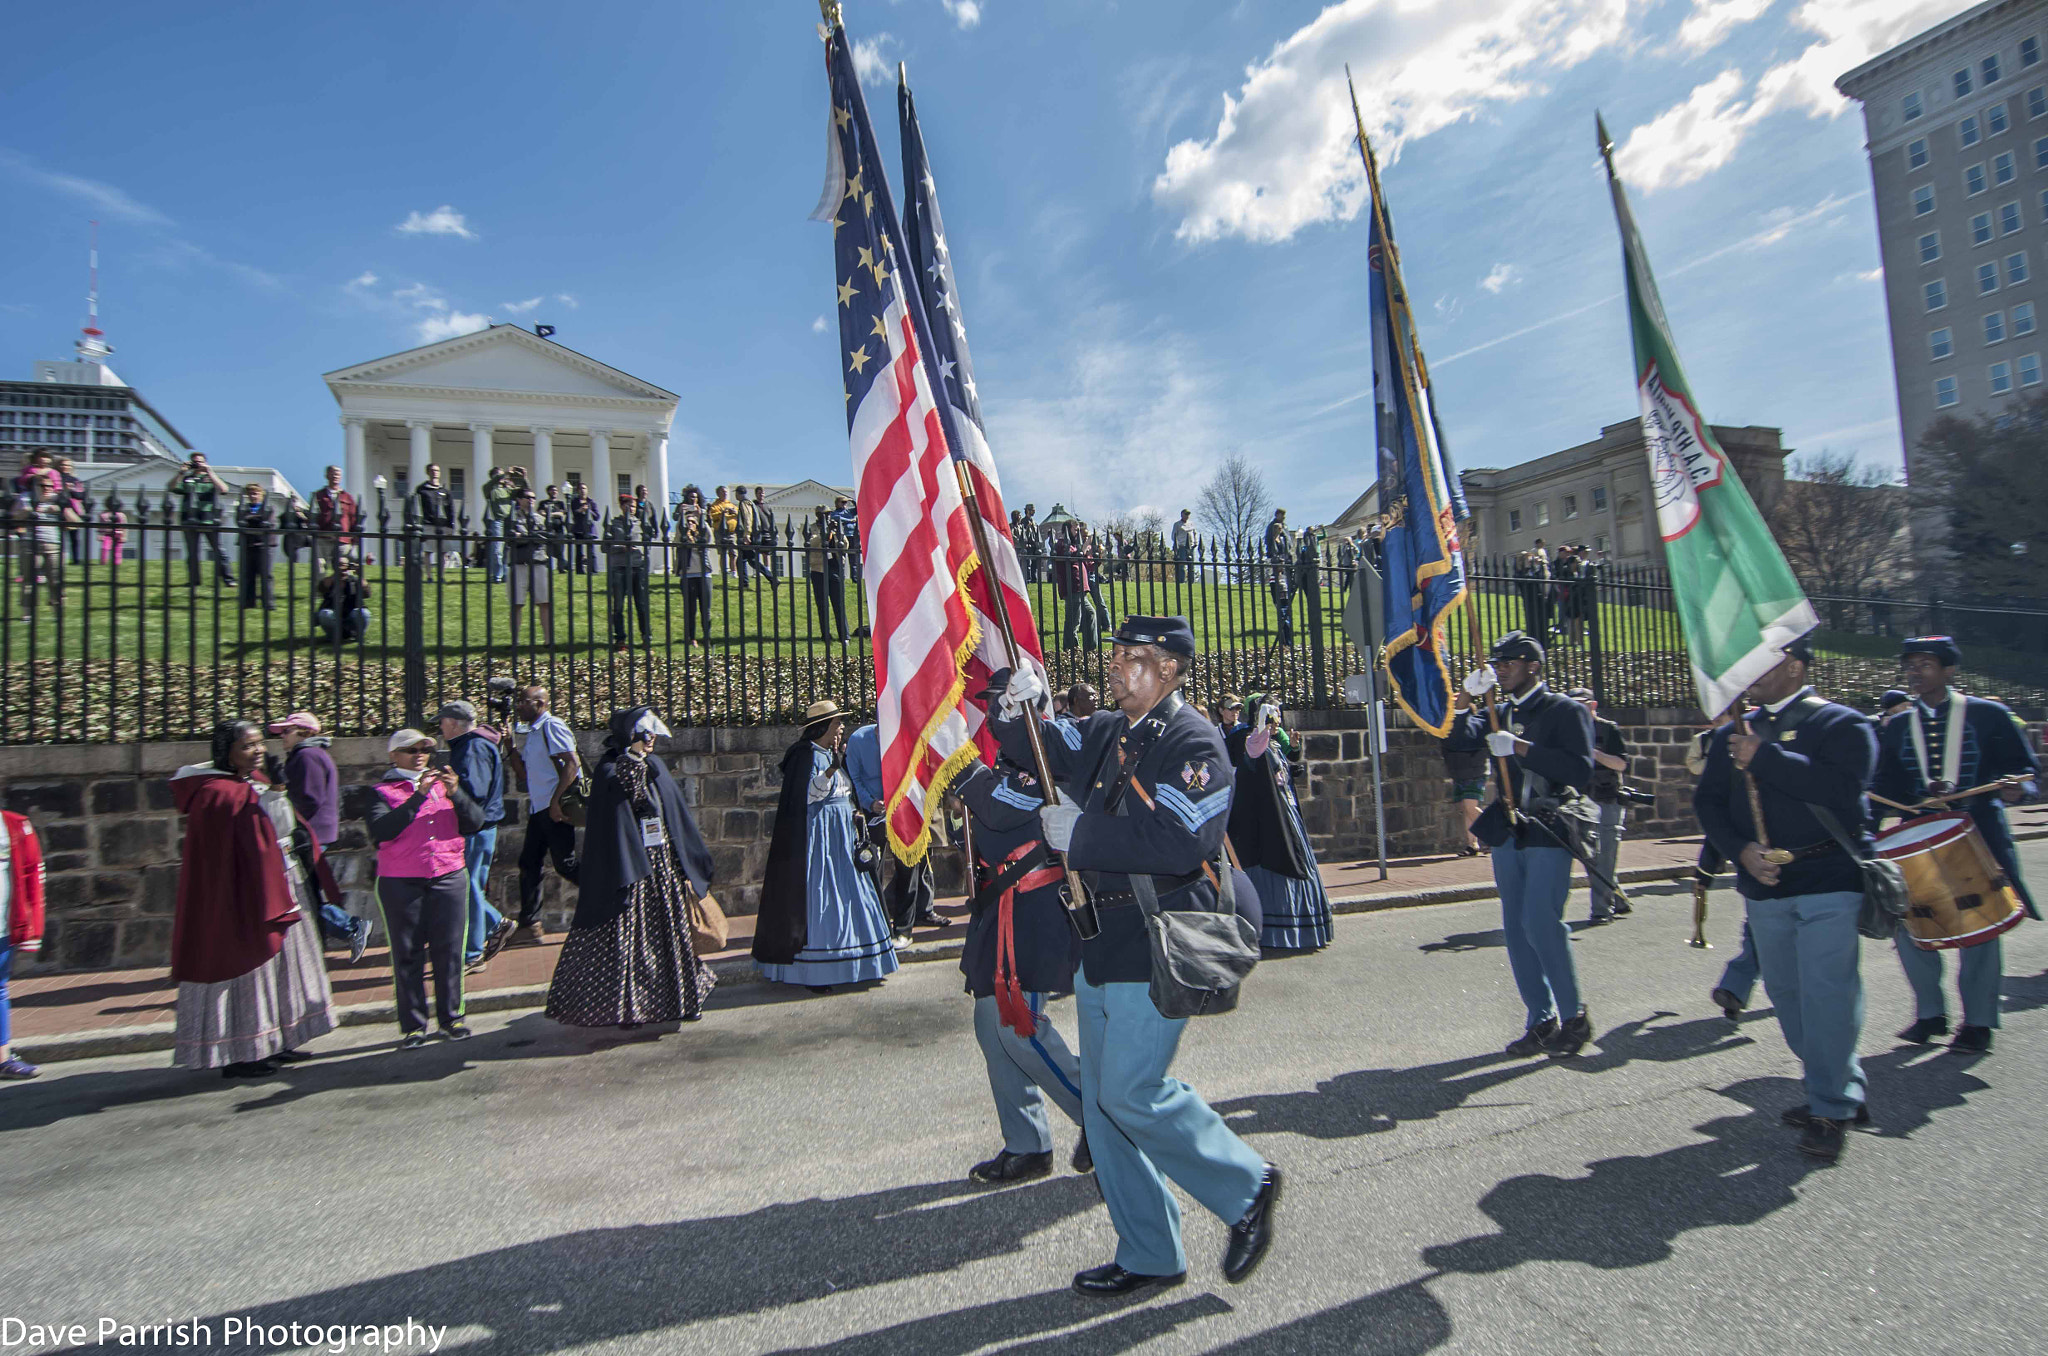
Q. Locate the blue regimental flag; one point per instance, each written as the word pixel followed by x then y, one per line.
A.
pixel 1423 569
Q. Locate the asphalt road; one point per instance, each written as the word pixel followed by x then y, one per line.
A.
pixel 788 1175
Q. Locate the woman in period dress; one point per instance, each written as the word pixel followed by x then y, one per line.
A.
pixel 628 958
pixel 820 922
pixel 1267 833
pixel 245 949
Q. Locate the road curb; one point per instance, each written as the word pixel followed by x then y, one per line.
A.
pixel 739 971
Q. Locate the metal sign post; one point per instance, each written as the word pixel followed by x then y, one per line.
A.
pixel 1361 624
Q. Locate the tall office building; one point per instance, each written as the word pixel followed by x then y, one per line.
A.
pixel 1956 125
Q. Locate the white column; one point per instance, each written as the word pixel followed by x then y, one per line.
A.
pixel 602 488
pixel 355 473
pixel 480 462
pixel 543 460
pixel 657 488
pixel 422 452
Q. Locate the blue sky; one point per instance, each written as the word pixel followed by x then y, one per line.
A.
pixel 1152 208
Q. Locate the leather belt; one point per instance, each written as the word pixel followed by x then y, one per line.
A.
pixel 1820 849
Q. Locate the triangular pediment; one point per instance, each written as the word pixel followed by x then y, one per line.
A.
pixel 503 358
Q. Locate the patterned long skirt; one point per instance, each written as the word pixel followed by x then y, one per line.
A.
pixel 639 967
pixel 280 1005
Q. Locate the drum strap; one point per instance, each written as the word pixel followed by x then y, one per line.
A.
pixel 1951 742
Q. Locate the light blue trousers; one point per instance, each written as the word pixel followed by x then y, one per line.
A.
pixel 1739 977
pixel 1981 971
pixel 1024 1071
pixel 1145 1126
pixel 476 860
pixel 1533 882
pixel 1809 949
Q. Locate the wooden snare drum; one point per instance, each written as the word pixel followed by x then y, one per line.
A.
pixel 1959 895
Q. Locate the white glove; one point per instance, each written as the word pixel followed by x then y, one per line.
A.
pixel 1025 688
pixel 1267 713
pixel 1481 680
pixel 1501 743
pixel 1057 817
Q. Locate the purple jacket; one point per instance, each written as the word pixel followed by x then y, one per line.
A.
pixel 315 788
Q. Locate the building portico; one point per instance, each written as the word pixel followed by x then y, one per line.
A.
pixel 500 397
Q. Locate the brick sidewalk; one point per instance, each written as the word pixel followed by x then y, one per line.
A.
pixel 132 1008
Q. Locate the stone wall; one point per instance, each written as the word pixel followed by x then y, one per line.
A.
pixel 113 840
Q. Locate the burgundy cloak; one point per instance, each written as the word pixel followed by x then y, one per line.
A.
pixel 234 904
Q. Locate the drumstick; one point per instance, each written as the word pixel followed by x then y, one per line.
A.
pixel 1999 785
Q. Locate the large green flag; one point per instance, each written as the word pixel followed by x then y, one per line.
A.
pixel 1737 599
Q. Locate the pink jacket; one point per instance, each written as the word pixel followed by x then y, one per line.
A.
pixel 432 844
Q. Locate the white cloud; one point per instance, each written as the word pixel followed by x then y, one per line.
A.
pixel 105 199
pixel 363 279
pixel 1871 275
pixel 1695 138
pixel 419 294
pixel 1284 156
pixel 1713 20
pixel 568 300
pixel 871 60
pixel 1448 307
pixel 966 13
pixel 520 307
pixel 443 220
pixel 446 326
pixel 818 326
pixel 1500 278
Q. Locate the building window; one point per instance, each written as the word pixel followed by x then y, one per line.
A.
pixel 1967 132
pixel 2015 269
pixel 1987 279
pixel 1988 68
pixel 2022 319
pixel 1944 392
pixel 1571 506
pixel 2037 102
pixel 1974 181
pixel 1923 200
pixel 1543 513
pixel 1514 520
pixel 2002 171
pixel 1910 107
pixel 2030 52
pixel 1599 499
pixel 1995 120
pixel 1980 229
pixel 2030 369
pixel 1962 83
pixel 1940 344
pixel 625 484
pixel 1916 153
pixel 2001 378
pixel 1930 247
pixel 1600 544
pixel 456 484
pixel 2009 218
pixel 1994 327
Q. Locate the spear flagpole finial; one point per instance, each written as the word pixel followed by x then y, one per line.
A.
pixel 1606 142
pixel 829 11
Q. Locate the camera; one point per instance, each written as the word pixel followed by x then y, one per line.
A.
pixel 498 697
pixel 1635 797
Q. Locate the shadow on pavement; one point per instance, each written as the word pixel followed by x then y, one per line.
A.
pixel 1467 941
pixel 1039 1316
pixel 1406 1320
pixel 596 1285
pixel 2024 993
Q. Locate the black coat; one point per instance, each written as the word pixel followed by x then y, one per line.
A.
pixel 1265 823
pixel 614 857
pixel 1825 759
pixel 1005 819
pixel 1560 735
pixel 782 923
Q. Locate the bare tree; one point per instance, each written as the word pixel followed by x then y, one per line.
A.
pixel 1842 525
pixel 1235 504
pixel 1984 480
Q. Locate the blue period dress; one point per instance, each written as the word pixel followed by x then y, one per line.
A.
pixel 1272 845
pixel 846 935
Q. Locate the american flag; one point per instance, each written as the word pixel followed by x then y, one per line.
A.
pixel 1001 583
pixel 918 544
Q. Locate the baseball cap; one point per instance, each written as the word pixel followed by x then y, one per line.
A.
pixel 408 739
pixel 297 720
pixel 457 710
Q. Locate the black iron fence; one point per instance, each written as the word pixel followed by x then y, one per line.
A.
pixel 123 622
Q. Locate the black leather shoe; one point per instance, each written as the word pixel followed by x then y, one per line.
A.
pixel 290 1057
pixel 1007 1167
pixel 1801 1116
pixel 1924 1030
pixel 1531 1042
pixel 931 918
pixel 1731 1006
pixel 1823 1138
pixel 1252 1235
pixel 1571 1037
pixel 1083 1161
pixel 1621 904
pixel 1971 1040
pixel 1113 1282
